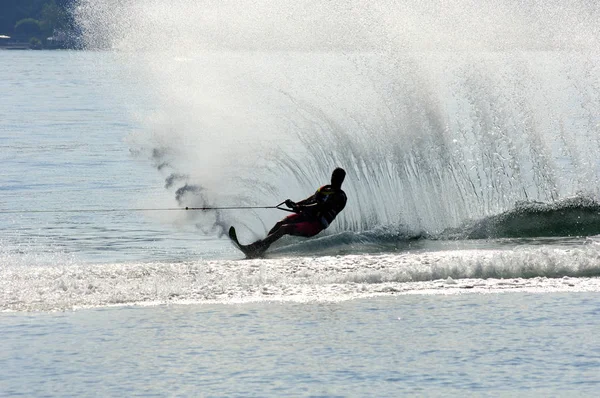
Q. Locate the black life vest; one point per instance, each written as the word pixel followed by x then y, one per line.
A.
pixel 330 203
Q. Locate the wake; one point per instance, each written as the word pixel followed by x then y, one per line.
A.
pixel 301 279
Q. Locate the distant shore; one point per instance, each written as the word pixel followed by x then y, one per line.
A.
pixel 16 46
pixel 37 24
pixel 23 46
pixel 60 42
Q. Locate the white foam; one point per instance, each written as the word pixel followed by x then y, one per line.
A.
pixel 301 279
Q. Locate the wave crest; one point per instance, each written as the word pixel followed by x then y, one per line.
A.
pixel 575 216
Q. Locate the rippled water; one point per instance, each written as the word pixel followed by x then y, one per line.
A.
pixel 435 345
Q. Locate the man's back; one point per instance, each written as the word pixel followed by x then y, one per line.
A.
pixel 330 202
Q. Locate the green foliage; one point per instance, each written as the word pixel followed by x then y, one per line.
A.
pixel 51 14
pixel 35 43
pixel 53 17
pixel 28 26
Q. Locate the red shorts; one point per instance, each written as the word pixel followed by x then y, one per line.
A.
pixel 303 226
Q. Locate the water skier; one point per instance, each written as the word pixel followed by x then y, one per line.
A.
pixel 311 215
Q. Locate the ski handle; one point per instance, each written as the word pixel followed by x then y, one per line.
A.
pixel 283 208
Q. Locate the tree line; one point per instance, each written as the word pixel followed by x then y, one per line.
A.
pixel 34 21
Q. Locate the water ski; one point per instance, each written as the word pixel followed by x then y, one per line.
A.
pixel 251 251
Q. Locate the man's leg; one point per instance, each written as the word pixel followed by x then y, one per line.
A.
pixel 291 219
pixel 295 224
pixel 276 232
pixel 276 227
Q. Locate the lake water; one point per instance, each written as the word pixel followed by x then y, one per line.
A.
pixel 514 344
pixel 123 302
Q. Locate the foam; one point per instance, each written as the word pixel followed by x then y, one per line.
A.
pixel 299 279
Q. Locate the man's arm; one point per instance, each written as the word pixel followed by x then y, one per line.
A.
pixel 309 203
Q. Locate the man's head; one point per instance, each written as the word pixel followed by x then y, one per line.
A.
pixel 337 178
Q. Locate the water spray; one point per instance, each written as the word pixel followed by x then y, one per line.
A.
pixel 440 112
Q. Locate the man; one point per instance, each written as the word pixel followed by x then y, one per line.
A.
pixel 312 215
